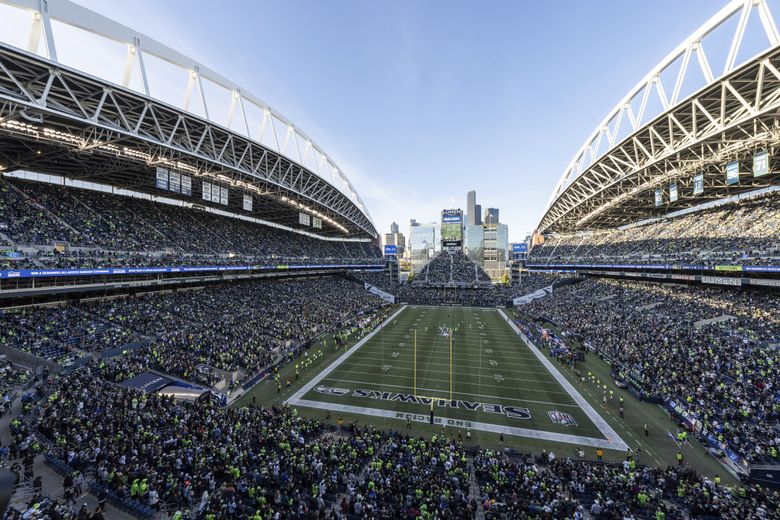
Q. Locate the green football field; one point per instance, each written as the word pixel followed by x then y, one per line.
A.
pixel 470 367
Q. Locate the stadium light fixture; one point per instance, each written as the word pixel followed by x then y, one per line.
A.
pixel 314 212
pixel 623 196
pixel 766 138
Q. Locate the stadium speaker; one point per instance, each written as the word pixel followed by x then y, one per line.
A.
pixel 7 480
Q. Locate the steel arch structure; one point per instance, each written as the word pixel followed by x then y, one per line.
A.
pixel 631 153
pixel 108 129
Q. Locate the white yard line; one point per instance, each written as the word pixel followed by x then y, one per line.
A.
pixel 611 435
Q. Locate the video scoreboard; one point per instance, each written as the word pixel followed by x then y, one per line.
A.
pixel 451 228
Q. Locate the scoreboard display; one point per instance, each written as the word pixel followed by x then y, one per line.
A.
pixel 451 228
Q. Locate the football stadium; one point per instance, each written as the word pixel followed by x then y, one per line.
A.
pixel 200 318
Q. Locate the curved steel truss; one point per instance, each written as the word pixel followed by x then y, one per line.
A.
pixel 46 101
pixel 633 152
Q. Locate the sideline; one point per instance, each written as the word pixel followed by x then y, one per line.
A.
pixel 616 443
pixel 293 399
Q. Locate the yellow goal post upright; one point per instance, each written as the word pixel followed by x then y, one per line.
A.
pixel 414 371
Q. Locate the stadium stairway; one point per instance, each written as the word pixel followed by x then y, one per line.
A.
pixel 5 239
pixel 23 493
pixel 474 493
pixel 546 291
pixel 425 265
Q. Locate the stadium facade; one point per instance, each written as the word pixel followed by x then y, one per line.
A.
pixel 56 119
pixel 699 131
pixel 679 129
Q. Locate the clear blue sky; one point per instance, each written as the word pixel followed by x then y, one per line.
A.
pixel 421 101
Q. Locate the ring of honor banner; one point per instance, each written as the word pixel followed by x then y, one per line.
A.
pixel 162 179
pixel 732 173
pixel 673 192
pixel 659 197
pixel 173 181
pixel 698 184
pixel 760 164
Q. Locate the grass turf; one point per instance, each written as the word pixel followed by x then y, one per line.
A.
pixel 658 448
pixel 493 375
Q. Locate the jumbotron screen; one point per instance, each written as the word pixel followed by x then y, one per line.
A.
pixel 451 227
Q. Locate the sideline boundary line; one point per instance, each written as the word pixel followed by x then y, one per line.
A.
pixel 611 435
pixel 330 368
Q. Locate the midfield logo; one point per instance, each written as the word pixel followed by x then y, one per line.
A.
pixel 328 390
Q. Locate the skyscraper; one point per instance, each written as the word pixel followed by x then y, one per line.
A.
pixel 491 216
pixel 422 240
pixel 473 210
pixel 394 238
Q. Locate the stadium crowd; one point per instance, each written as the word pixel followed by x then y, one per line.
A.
pixel 451 268
pixel 741 232
pixel 562 488
pixel 12 260
pixel 219 463
pixel 11 377
pixel 480 296
pixel 101 229
pixel 724 373
pixel 98 259
pixel 235 328
pixel 214 463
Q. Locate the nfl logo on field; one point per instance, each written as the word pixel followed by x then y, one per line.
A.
pixel 561 418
